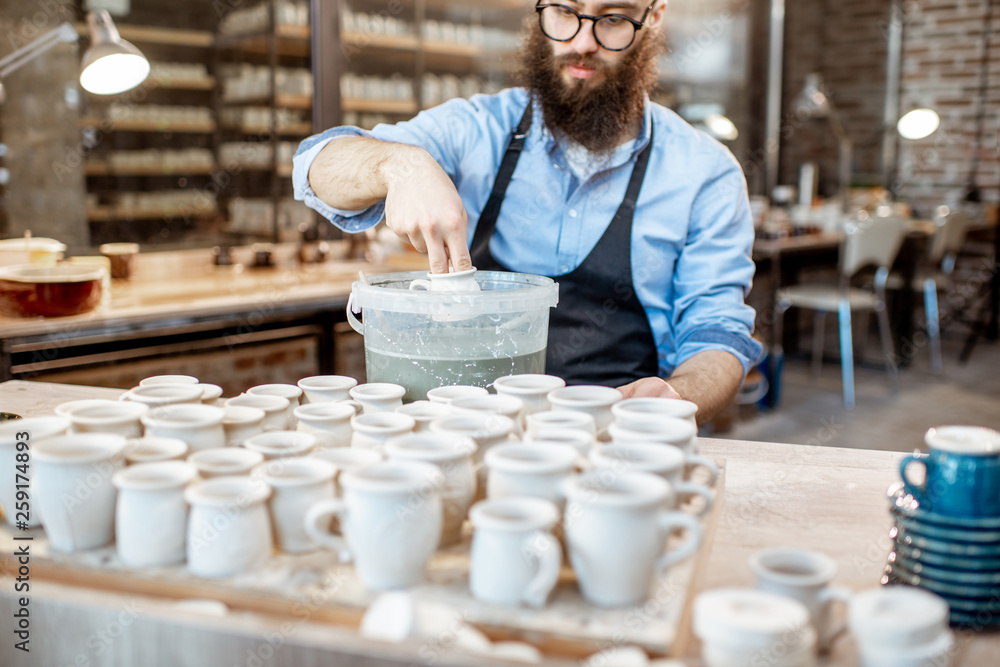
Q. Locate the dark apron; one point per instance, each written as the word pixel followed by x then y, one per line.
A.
pixel 599 333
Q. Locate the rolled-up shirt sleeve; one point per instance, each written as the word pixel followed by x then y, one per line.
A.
pixel 714 272
pixel 443 131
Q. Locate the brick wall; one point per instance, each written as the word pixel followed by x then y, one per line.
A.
pixel 942 49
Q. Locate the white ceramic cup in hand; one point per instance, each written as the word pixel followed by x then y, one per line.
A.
pixel 805 576
pixel 514 559
pixel 456 281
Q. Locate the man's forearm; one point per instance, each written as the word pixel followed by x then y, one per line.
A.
pixel 710 379
pixel 354 173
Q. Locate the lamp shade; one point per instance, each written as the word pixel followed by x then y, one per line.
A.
pixel 111 65
pixel 918 123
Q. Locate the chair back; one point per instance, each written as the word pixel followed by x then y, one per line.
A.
pixel 950 234
pixel 871 241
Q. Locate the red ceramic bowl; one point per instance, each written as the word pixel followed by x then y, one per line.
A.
pixel 27 290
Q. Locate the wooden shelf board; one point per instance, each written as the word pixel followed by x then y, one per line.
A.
pixel 104 169
pixel 204 83
pixel 361 41
pixel 282 101
pixel 291 41
pixel 154 35
pixel 111 213
pixel 127 125
pixel 303 128
pixel 452 49
pixel 375 105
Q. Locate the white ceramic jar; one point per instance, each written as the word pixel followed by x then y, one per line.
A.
pixel 200 426
pixel 329 423
pixel 16 440
pixel 229 532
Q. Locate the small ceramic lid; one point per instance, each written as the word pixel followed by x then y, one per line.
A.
pixel 747 618
pixel 897 615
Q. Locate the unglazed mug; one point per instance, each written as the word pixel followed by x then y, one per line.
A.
pixel 281 444
pixel 225 461
pixel 326 388
pixel 532 388
pixel 72 490
pixel 423 413
pixel 277 409
pixel 378 396
pixel 456 281
pixel 329 423
pixel 241 423
pixel 153 449
pixel 531 470
pixel 110 417
pixel 514 559
pixel 594 400
pixel 200 426
pixel 16 440
pixel 229 532
pixel 390 517
pixel 373 430
pixel 151 514
pixel 296 485
pixel 616 533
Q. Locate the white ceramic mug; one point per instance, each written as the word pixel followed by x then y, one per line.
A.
pixel 653 428
pixel 666 461
pixel 593 400
pixel 72 491
pixel 229 532
pixel 581 441
pixel 390 517
pixel 456 281
pixel 616 533
pixel 241 423
pixel 346 459
pixel 225 461
pixel 514 559
pixel 449 393
pixel 453 457
pixel 159 395
pixel 281 444
pixel 373 430
pixel 486 430
pixel 326 388
pixel 423 413
pixel 296 485
pixel 567 420
pixel 210 393
pixel 378 396
pixel 631 409
pixel 168 379
pixel 900 625
pixel 532 388
pixel 496 404
pixel 152 449
pixel 151 514
pixel 529 470
pixel 329 423
pixel 16 440
pixel 200 426
pixel 290 392
pixel 277 409
pixel 805 576
pixel 110 417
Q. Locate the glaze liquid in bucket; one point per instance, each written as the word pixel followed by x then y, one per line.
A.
pixel 422 339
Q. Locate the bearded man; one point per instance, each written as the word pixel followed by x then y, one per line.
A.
pixel 642 220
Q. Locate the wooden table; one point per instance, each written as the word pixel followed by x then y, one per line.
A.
pixel 828 499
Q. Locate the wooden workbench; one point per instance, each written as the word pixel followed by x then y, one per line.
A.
pixel 831 500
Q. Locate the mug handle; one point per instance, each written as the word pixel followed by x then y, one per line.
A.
pixel 320 513
pixel 546 548
pixel 911 488
pixel 420 284
pixel 669 521
pixel 688 489
pixel 827 596
pixel 694 460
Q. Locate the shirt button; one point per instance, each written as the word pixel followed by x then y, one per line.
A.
pixel 572 213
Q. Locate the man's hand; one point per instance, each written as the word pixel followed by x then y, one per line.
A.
pixel 654 387
pixel 423 207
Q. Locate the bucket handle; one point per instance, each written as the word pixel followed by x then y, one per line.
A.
pixel 351 319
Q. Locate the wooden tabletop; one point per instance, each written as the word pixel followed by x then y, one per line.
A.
pixel 777 495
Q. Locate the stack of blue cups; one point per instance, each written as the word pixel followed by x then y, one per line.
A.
pixel 946 529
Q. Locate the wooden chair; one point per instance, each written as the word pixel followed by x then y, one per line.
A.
pixel 868 241
pixel 935 273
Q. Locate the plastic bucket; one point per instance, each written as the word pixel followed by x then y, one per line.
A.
pixel 422 339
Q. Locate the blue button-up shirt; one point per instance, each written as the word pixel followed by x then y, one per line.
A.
pixel 691 236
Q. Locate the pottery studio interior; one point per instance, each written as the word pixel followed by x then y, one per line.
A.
pixel 269 399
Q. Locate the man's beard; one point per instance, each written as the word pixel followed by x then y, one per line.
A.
pixel 597 115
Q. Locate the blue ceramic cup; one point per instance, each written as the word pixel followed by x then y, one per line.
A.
pixel 962 472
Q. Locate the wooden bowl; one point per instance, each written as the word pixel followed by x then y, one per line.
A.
pixel 27 290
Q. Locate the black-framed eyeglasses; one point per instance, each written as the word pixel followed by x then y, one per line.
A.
pixel 614 32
